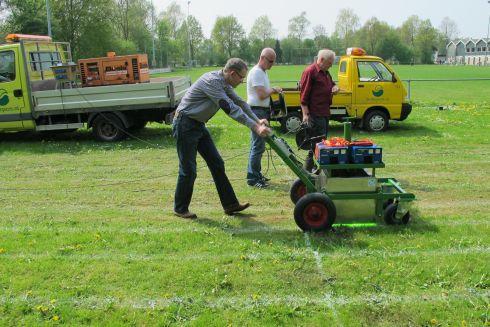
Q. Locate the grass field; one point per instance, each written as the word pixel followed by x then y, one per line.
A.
pixel 422 93
pixel 87 234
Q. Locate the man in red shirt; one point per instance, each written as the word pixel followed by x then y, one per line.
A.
pixel 317 88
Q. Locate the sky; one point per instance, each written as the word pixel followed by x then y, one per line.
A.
pixel 471 16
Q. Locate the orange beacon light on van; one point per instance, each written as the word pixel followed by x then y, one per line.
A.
pixel 11 38
pixel 355 52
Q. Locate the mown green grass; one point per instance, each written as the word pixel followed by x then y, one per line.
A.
pixel 87 234
pixel 441 93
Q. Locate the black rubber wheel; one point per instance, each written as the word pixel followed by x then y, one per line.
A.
pixel 315 212
pixel 387 203
pixel 391 217
pixel 297 191
pixel 108 128
pixel 376 121
pixel 291 123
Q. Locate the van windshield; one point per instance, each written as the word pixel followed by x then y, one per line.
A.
pixel 373 71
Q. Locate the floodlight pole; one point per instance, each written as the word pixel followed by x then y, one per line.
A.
pixel 153 60
pixel 488 30
pixel 48 16
pixel 189 34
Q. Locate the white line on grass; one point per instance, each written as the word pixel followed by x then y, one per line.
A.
pixel 241 303
pixel 246 256
pixel 328 298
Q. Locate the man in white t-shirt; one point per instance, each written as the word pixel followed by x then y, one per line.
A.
pixel 258 97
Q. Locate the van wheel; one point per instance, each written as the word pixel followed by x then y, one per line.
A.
pixel 376 121
pixel 108 128
pixel 291 123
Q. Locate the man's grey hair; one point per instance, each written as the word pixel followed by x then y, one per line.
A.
pixel 326 54
pixel 235 64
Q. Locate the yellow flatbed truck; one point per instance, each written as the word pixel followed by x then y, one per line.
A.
pixel 31 98
pixel 371 93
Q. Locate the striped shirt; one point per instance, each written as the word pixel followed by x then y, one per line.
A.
pixel 210 92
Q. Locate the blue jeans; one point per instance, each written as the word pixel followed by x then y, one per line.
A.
pixel 257 148
pixel 192 137
pixel 319 127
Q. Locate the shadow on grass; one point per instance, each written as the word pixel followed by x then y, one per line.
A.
pixel 83 140
pixel 339 238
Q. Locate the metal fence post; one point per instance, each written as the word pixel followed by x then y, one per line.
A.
pixel 409 90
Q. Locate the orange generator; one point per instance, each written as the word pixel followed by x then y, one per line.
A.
pixel 113 70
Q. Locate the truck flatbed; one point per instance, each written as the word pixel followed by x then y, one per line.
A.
pixel 159 93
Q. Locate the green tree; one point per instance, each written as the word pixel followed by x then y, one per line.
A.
pixel 262 30
pixel 392 48
pixel 298 26
pixel 207 54
pixel 227 34
pixel 278 50
pixel 163 40
pixel 191 37
pixel 426 42
pixel 346 25
pixel 133 20
pixel 408 32
pixel 175 17
pixel 372 34
pixel 25 16
pixel 320 37
pixel 85 24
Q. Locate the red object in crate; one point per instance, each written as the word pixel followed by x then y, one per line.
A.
pixel 336 142
pixel 363 142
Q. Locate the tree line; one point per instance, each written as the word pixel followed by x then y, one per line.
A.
pixel 171 38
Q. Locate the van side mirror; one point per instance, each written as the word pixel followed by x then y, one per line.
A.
pixel 393 78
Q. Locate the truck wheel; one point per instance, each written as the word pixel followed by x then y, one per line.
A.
pixel 392 218
pixel 108 128
pixel 298 190
pixel 315 212
pixel 376 121
pixel 291 123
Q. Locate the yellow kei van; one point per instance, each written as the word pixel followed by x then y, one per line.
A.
pixel 371 93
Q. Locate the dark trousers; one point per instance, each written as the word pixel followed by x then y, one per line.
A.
pixel 318 127
pixel 192 137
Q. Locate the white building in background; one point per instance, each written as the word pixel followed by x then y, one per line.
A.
pixel 468 52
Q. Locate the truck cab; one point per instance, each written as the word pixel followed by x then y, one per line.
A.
pixel 17 79
pixel 370 92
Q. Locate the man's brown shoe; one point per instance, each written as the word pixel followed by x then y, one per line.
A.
pixel 236 208
pixel 186 215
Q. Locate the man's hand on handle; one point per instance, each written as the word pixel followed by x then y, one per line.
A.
pixel 262 130
pixel 264 122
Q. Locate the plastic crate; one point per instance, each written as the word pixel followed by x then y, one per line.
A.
pixel 327 155
pixel 65 72
pixel 365 154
